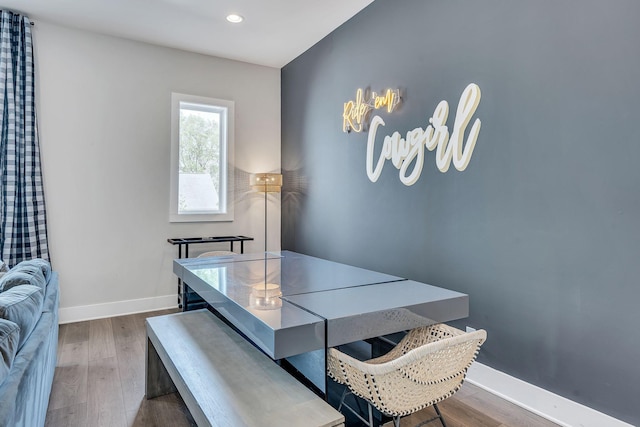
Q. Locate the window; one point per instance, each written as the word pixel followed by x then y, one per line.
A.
pixel 201 159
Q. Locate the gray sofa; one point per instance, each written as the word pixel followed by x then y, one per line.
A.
pixel 29 298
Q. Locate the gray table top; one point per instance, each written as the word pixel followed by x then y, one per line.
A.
pixel 294 273
pixel 363 312
pixel 305 295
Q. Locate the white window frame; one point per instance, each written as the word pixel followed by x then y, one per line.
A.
pixel 226 159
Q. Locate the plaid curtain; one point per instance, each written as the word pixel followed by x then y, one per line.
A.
pixel 23 228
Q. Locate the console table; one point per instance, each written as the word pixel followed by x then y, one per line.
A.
pixel 186 241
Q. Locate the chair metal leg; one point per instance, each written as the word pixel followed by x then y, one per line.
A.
pixel 430 420
pixel 353 411
pixel 370 423
pixel 344 394
pixel 370 415
pixel 439 415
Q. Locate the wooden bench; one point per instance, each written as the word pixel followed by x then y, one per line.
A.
pixel 223 379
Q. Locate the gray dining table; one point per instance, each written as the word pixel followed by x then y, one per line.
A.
pixel 294 306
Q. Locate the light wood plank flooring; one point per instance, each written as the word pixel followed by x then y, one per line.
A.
pixel 99 381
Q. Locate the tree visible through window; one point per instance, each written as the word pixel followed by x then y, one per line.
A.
pixel 201 145
pixel 199 180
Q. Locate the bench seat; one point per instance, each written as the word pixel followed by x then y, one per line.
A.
pixel 223 379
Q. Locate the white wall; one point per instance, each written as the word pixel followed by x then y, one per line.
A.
pixel 104 122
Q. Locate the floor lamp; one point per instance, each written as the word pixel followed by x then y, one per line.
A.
pixel 266 296
pixel 266 183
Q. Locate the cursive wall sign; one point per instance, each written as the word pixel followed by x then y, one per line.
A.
pixel 403 152
pixel 356 112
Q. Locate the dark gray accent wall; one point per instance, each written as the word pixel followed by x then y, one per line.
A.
pixel 543 228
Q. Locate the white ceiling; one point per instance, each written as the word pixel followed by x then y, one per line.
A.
pixel 273 33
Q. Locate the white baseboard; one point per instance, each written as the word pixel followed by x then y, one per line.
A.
pixel 119 308
pixel 555 408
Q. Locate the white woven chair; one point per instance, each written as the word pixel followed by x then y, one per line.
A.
pixel 215 253
pixel 426 367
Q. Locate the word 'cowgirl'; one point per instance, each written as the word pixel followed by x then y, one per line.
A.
pixel 403 151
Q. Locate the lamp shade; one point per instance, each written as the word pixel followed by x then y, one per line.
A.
pixel 266 182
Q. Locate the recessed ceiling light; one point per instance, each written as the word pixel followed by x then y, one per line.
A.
pixel 235 19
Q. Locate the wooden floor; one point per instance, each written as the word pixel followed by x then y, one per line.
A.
pixel 99 381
